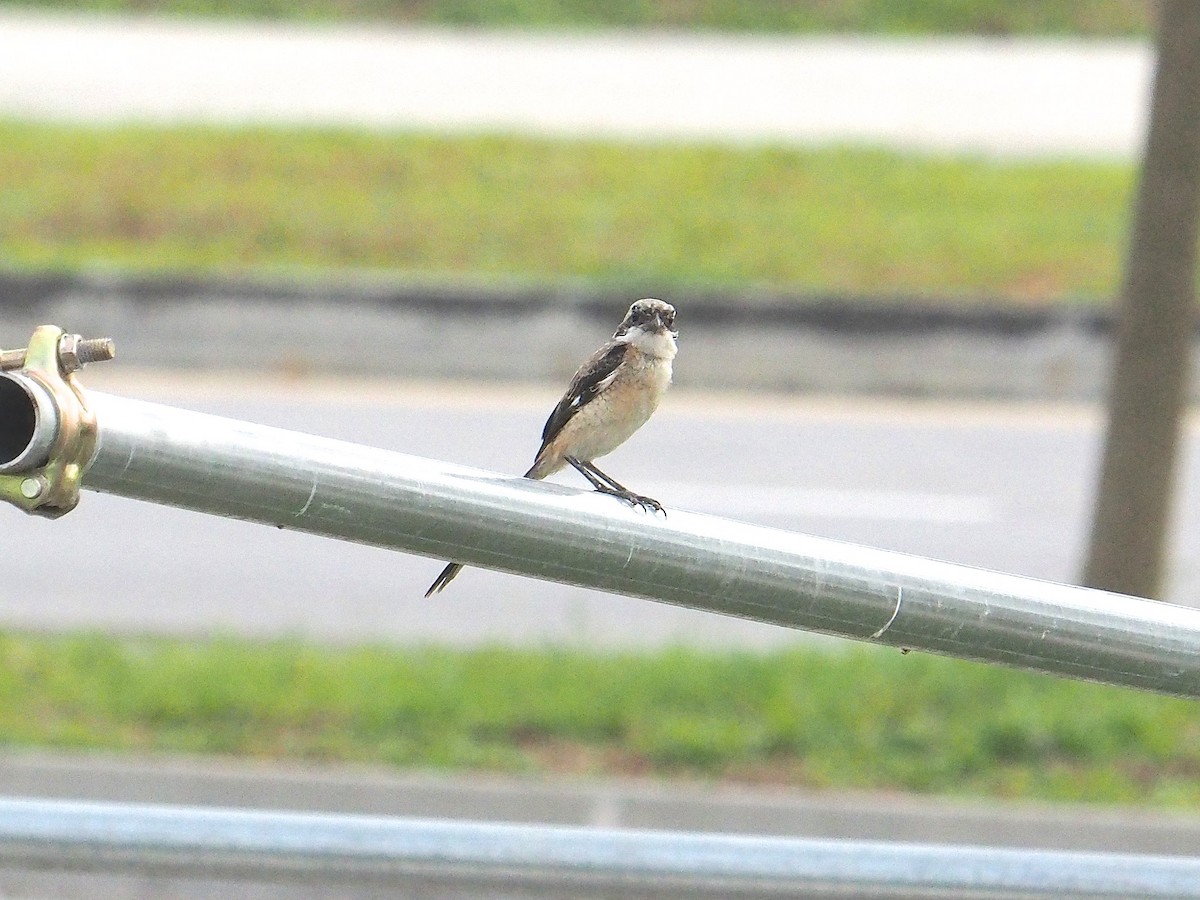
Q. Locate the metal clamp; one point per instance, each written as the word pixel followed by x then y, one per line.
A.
pixel 45 479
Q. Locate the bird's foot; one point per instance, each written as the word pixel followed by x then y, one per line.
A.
pixel 649 504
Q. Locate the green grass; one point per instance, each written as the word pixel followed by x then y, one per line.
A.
pixel 833 220
pixel 1083 17
pixel 866 718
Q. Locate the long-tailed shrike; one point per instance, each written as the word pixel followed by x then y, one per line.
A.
pixel 611 396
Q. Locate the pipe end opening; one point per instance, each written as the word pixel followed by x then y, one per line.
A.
pixel 24 438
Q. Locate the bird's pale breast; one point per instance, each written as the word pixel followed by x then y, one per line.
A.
pixel 617 412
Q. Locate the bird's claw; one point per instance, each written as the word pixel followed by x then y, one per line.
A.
pixel 648 504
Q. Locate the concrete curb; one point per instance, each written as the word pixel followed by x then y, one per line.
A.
pixel 736 339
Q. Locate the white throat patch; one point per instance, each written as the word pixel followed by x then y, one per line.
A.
pixel 659 344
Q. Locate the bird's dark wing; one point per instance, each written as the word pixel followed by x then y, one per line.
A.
pixel 592 376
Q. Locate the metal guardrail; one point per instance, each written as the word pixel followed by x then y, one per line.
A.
pixel 54 437
pixel 458 859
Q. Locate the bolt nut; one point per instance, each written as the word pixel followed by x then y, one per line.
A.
pixel 74 352
pixel 31 488
pixel 68 353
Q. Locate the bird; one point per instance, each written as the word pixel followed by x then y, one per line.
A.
pixel 610 397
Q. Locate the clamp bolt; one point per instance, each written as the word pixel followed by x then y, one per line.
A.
pixel 75 352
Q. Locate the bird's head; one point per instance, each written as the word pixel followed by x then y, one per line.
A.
pixel 650 317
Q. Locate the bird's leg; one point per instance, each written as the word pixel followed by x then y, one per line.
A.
pixel 606 484
pixel 606 478
pixel 587 473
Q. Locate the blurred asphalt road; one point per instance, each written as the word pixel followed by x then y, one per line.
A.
pixel 618 802
pixel 628 803
pixel 1000 487
pixel 995 96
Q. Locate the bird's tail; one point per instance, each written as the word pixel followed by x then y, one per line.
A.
pixel 543 467
pixel 537 471
pixel 444 579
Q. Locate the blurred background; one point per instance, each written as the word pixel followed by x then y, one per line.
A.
pixel 894 232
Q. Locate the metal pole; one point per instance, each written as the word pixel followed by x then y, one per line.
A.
pixel 342 490
pixel 465 859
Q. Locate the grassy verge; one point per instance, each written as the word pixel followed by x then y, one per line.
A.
pixel 1085 17
pixel 866 718
pixel 853 221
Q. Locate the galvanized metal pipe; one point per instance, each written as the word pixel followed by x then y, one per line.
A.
pixel 463 859
pixel 342 490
